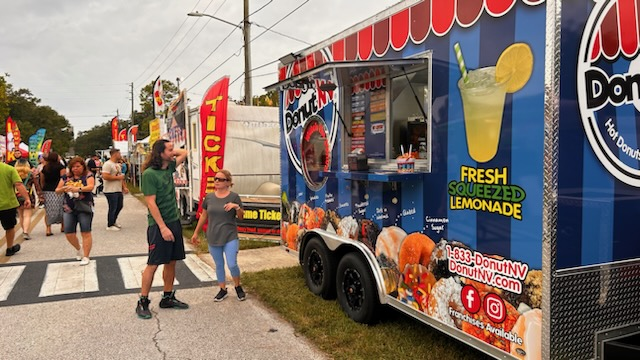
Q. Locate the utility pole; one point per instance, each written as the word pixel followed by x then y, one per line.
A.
pixel 247 55
pixel 132 117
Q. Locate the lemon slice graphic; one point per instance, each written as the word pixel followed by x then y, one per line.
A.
pixel 515 64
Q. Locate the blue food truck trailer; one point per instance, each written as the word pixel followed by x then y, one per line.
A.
pixel 474 164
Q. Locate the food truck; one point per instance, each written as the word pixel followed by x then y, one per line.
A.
pixel 474 164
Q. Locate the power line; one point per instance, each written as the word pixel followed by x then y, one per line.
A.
pixel 222 42
pixel 256 68
pixel 193 39
pixel 165 45
pixel 281 34
pixel 255 38
pixel 174 48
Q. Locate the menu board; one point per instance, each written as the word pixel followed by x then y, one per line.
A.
pixel 375 124
pixel 358 114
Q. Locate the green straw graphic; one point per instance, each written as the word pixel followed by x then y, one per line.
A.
pixel 463 68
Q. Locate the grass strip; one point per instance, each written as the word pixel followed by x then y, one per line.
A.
pixel 396 336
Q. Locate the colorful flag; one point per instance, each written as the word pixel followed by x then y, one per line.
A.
pixel 46 146
pixel 133 134
pixel 114 128
pixel 213 125
pixel 158 98
pixel 9 138
pixel 122 135
pixel 40 133
pixel 33 149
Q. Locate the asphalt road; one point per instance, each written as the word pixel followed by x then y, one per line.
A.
pixel 51 307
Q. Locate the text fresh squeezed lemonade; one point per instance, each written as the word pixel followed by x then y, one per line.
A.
pixel 483 104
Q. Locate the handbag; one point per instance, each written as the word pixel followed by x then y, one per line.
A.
pixel 20 198
pixel 82 206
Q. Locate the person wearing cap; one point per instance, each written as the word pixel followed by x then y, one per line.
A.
pixel 114 187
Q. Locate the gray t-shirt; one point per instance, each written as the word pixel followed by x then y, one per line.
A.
pixel 112 186
pixel 222 226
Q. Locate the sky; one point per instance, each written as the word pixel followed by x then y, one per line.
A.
pixel 81 57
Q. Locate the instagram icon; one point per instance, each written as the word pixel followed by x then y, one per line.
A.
pixel 494 308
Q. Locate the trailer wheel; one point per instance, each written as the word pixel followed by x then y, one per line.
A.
pixel 356 289
pixel 319 269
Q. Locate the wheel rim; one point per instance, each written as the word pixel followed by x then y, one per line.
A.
pixel 316 270
pixel 353 290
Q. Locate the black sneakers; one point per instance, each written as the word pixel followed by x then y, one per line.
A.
pixel 143 308
pixel 12 250
pixel 221 295
pixel 240 293
pixel 170 301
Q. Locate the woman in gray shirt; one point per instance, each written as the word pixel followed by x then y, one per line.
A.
pixel 221 208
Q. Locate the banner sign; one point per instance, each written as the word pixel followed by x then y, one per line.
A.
pixel 46 146
pixel 260 218
pixel 10 139
pixel 40 133
pixel 114 128
pixel 33 149
pixel 122 135
pixel 133 134
pixel 154 131
pixel 213 124
pixel 158 101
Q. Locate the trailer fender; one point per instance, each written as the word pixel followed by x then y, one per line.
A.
pixel 339 246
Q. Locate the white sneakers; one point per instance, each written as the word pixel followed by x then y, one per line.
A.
pixel 117 225
pixel 79 254
pixel 85 261
pixel 113 228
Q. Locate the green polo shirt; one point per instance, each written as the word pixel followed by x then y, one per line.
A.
pixel 159 182
pixel 8 178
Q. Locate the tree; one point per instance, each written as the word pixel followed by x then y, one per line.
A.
pixel 272 98
pixel 25 109
pixel 145 115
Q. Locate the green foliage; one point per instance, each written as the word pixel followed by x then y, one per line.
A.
pixel 271 98
pixel 98 138
pixel 25 109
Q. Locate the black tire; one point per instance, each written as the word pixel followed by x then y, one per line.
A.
pixel 319 269
pixel 357 292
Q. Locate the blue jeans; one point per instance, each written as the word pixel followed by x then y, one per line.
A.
pixel 72 219
pixel 115 201
pixel 230 251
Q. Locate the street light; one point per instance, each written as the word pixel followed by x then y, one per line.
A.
pixel 247 48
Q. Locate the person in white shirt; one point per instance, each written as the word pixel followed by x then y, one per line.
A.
pixel 114 187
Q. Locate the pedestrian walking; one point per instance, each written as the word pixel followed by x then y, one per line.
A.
pixel 164 233
pixel 10 185
pixel 95 166
pixel 77 188
pixel 221 209
pixel 24 212
pixel 114 187
pixel 49 179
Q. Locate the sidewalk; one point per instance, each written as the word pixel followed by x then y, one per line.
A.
pixel 106 327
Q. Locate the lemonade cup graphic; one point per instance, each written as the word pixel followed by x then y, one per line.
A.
pixel 483 93
pixel 483 104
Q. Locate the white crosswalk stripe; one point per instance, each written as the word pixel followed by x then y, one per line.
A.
pixel 69 278
pixel 8 278
pixel 199 268
pixel 131 269
pixel 19 283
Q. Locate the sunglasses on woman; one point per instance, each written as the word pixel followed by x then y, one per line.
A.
pixel 216 179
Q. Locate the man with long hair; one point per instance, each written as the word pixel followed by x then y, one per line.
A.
pixel 164 233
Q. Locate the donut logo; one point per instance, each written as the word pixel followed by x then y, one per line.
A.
pixel 303 102
pixel 608 83
pixel 316 152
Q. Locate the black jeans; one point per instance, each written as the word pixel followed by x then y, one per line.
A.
pixel 116 201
